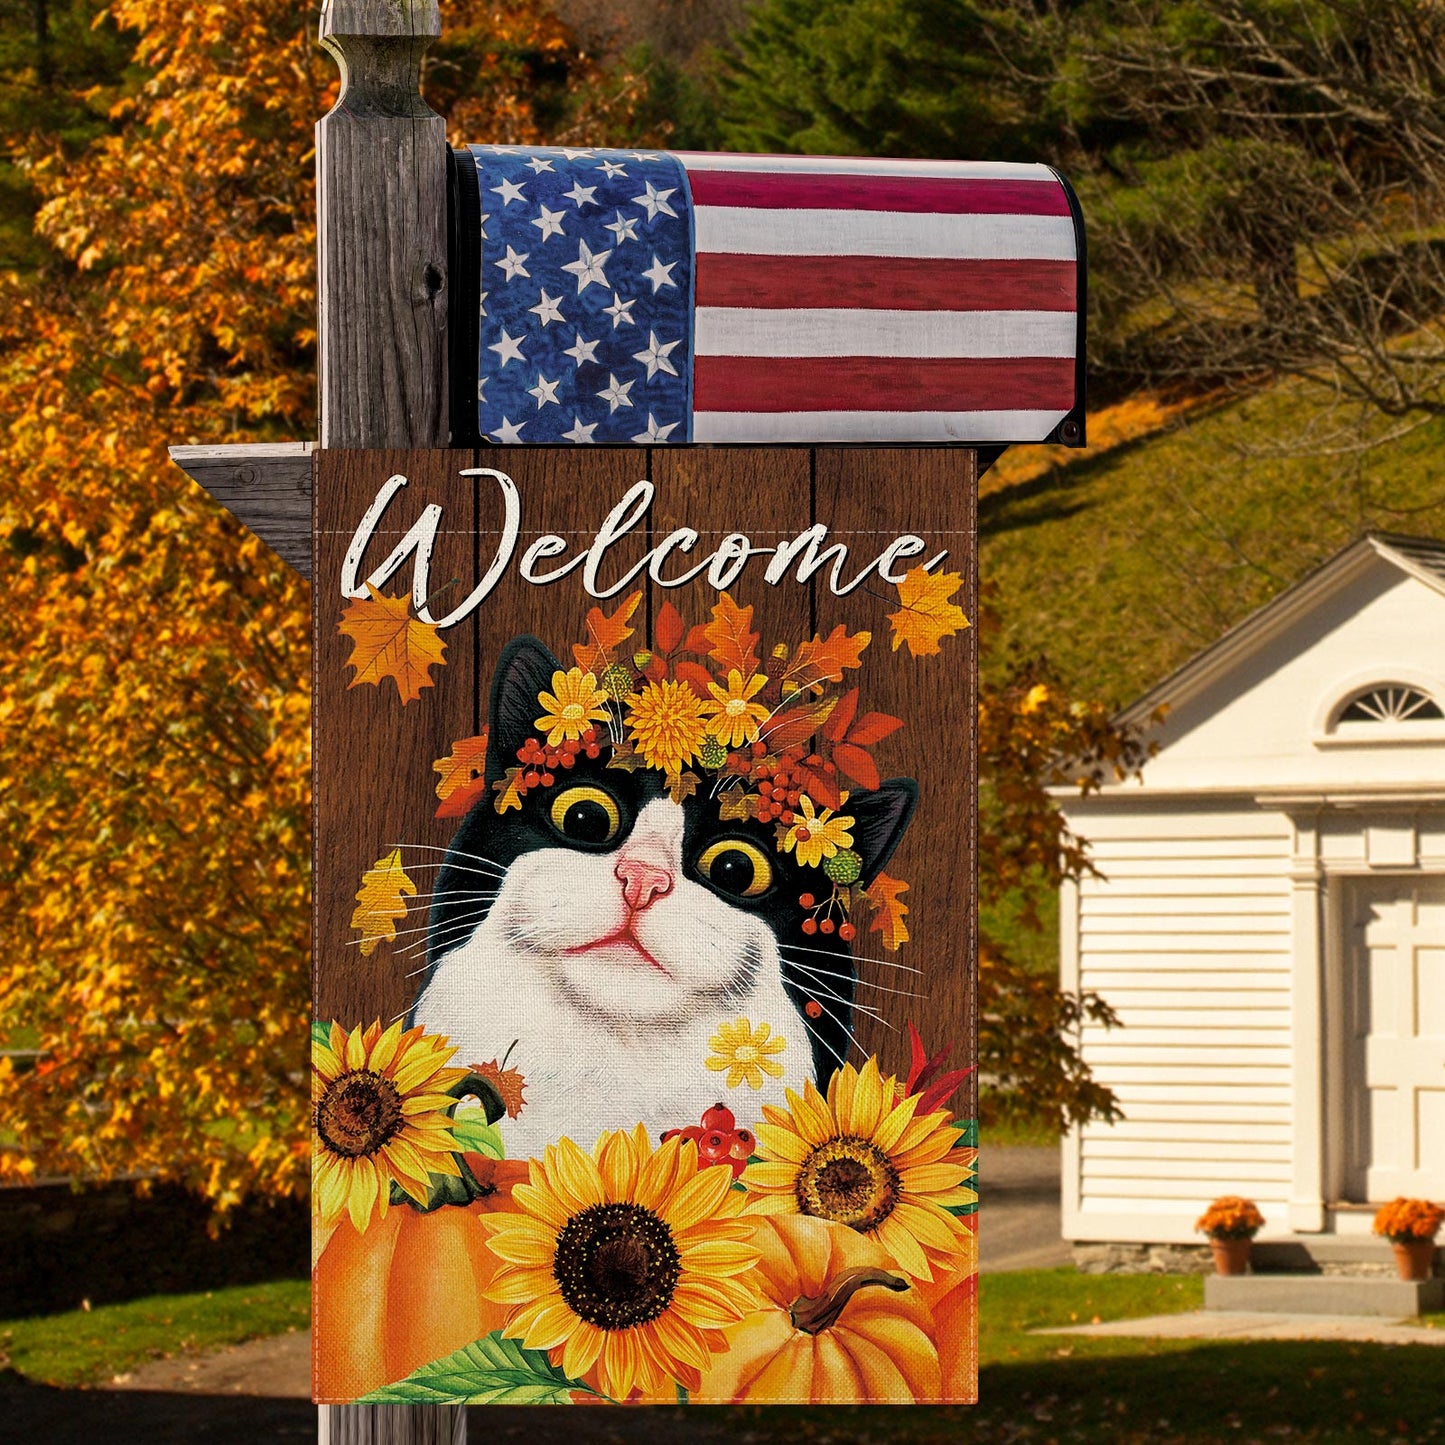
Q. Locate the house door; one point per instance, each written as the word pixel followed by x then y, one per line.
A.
pixel 1395 995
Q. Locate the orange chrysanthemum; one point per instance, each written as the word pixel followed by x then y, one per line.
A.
pixel 667 725
pixel 627 1263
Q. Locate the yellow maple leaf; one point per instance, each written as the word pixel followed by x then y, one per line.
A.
pixel 389 642
pixel 883 894
pixel 380 901
pixel 926 616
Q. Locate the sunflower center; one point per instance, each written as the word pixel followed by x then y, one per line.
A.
pixel 617 1265
pixel 850 1181
pixel 358 1113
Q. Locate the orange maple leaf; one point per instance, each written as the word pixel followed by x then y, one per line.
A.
pixel 380 901
pixel 509 1083
pixel 605 634
pixel 926 616
pixel 389 642
pixel 461 782
pixel 823 659
pixel 733 643
pixel 883 894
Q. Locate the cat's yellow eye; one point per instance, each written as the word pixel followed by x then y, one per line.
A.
pixel 736 866
pixel 586 815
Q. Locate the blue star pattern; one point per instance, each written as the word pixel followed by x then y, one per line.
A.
pixel 586 296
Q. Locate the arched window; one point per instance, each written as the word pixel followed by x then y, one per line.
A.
pixel 1390 702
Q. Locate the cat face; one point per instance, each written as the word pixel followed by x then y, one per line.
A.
pixel 641 912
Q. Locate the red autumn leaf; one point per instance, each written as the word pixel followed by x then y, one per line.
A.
pixel 668 631
pixel 656 670
pixel 857 763
pixel 695 675
pixel 458 803
pixel 734 643
pixel 697 639
pixel 796 725
pixel 823 659
pixel 822 789
pixel 872 727
pixel 605 634
pixel 843 716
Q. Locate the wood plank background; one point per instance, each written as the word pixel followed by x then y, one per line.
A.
pixel 373 758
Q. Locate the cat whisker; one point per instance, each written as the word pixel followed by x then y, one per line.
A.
pixel 463 868
pixel 461 893
pixel 479 912
pixel 815 987
pixel 455 852
pixel 857 958
pixel 846 977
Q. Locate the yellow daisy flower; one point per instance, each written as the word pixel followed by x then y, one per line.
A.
pixel 380 1115
pixel 667 725
pixel 816 836
pixel 573 705
pixel 735 717
pixel 627 1263
pixel 859 1159
pixel 746 1054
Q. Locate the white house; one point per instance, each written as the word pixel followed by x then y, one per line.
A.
pixel 1270 922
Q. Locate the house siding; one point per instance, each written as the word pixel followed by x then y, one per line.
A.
pixel 1187 935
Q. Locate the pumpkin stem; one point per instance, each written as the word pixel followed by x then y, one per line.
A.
pixel 814 1314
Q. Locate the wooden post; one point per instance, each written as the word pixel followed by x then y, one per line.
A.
pixel 381 336
pixel 381 242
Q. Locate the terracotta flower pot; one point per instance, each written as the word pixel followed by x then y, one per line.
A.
pixel 1413 1257
pixel 1231 1256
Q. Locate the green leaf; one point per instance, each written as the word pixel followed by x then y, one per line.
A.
pixel 491 1371
pixel 321 1033
pixel 476 1136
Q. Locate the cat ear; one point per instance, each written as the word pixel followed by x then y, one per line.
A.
pixel 879 821
pixel 524 669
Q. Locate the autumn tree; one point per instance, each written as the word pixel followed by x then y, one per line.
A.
pixel 154 812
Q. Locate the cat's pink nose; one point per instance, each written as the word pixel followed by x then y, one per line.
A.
pixel 642 881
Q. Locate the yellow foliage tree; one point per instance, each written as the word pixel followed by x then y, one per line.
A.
pixel 154 664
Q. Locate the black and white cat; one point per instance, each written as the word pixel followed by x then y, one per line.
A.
pixel 611 931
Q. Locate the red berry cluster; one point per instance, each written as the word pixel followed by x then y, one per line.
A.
pixel 540 761
pixel 718 1139
pixel 826 923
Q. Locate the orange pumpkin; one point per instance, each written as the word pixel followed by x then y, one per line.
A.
pixel 953 1299
pixel 406 1291
pixel 839 1324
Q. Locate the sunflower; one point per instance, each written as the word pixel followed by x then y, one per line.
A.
pixel 815 835
pixel 745 1054
pixel 859 1159
pixel 735 717
pixel 577 704
pixel 380 1115
pixel 667 725
pixel 628 1262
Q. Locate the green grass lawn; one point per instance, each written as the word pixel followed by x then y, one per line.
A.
pixel 87 1346
pixel 1033 1387
pixel 1121 566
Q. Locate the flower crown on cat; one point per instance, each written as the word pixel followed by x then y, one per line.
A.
pixel 779 740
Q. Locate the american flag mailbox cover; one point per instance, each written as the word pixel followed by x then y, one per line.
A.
pixel 654 297
pixel 645 802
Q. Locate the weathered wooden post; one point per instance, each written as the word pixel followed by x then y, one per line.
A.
pixel 621 755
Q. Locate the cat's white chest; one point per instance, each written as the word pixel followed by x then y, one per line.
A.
pixel 600 1063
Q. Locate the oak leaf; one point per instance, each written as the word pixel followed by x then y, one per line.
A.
pixel 732 643
pixel 606 632
pixel 509 795
pixel 380 901
pixel 387 641
pixel 823 659
pixel 926 616
pixel 883 894
pixel 462 782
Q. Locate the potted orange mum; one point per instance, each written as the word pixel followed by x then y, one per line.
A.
pixel 1231 1223
pixel 1411 1225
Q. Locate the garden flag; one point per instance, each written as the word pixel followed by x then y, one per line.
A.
pixel 645 901
pixel 653 297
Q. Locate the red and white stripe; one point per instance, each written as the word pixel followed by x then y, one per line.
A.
pixel 881 301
